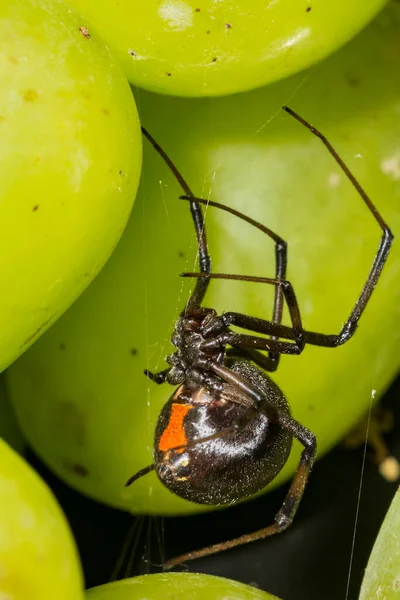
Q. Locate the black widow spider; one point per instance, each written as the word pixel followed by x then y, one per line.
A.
pixel 226 431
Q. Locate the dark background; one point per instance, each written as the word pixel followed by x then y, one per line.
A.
pixel 310 561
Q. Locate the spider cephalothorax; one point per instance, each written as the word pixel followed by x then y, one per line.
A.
pixel 193 349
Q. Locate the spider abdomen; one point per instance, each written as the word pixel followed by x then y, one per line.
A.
pixel 236 463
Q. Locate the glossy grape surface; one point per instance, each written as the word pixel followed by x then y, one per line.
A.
pixel 70 159
pixel 38 556
pixel 177 586
pixel 209 48
pixel 382 577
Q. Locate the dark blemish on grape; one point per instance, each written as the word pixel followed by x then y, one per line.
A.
pixel 228 26
pixel 214 59
pixel 197 9
pixel 34 209
pixel 80 470
pixel 181 254
pixel 131 52
pixel 85 32
pixel 352 81
pixel 308 8
pixel 62 346
pixel 208 32
pixel 119 172
pixel 168 74
pixel 311 407
pixel 31 96
pixel 72 422
pixel 86 274
pixel 133 351
pixel 105 111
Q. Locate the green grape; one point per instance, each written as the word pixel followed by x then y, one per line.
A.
pixel 38 557
pixel 382 576
pixel 209 48
pixel 177 586
pixel 9 429
pixel 70 158
pixel 80 394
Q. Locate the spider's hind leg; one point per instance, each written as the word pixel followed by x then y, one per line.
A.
pixel 286 514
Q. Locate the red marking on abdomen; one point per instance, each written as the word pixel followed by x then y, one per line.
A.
pixel 174 434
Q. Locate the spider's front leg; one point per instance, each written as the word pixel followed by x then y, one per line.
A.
pixel 271 362
pixel 253 324
pixel 286 514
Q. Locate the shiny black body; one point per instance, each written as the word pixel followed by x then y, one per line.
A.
pixel 226 469
pixel 227 431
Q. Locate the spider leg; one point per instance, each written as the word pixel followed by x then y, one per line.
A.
pixel 199 292
pixel 287 512
pixel 280 266
pixel 254 324
pixel 350 325
pixel 139 474
pixel 348 329
pixel 265 362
